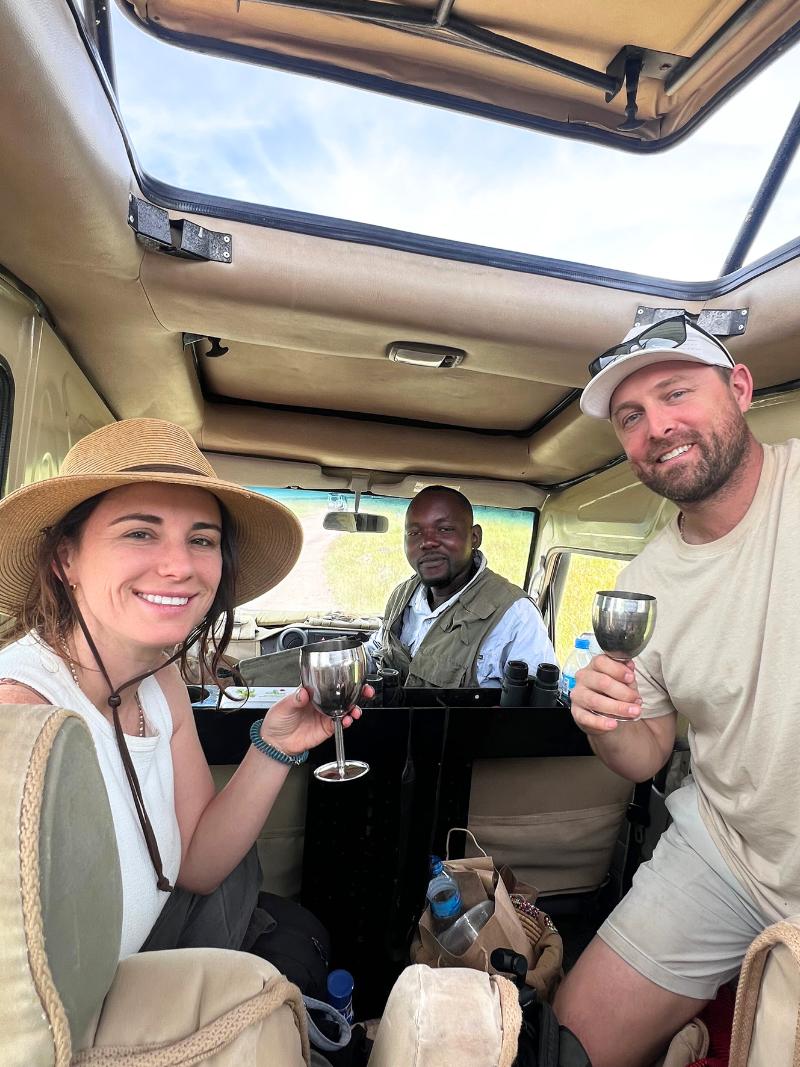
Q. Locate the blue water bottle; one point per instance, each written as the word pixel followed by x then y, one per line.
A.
pixel 340 992
pixel 443 896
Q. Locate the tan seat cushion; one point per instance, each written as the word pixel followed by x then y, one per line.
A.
pixel 554 821
pixel 282 837
pixel 199 1006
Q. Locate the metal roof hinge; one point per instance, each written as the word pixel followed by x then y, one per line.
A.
pixel 720 322
pixel 627 66
pixel 176 237
pixel 216 350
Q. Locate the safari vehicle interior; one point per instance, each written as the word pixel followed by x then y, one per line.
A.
pixel 335 362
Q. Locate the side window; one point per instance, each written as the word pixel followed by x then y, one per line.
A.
pixel 576 578
pixel 6 412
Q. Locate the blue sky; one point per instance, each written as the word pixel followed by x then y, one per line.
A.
pixel 235 130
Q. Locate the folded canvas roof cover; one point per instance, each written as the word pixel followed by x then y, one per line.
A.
pixel 496 57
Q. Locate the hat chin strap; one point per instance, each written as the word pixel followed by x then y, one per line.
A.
pixel 114 700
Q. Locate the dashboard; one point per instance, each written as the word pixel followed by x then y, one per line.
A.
pixel 299 634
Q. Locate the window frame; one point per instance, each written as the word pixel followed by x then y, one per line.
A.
pixel 6 420
pixel 555 573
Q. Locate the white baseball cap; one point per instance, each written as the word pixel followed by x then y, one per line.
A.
pixel 675 338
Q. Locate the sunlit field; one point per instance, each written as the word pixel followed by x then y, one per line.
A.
pixel 362 569
pixel 586 574
pixel 353 574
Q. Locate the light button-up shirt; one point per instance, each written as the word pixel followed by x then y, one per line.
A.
pixel 520 634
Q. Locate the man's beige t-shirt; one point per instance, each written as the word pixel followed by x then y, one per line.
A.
pixel 725 653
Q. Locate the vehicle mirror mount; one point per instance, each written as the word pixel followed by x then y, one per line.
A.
pixel 355 521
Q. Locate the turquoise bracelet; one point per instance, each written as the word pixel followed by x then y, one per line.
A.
pixel 269 750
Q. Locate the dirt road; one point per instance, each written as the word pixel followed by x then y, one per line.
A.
pixel 305 591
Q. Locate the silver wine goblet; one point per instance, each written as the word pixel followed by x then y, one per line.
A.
pixel 623 624
pixel 333 673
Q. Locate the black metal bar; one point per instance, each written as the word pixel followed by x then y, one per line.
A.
pixel 557 487
pixel 530 564
pixel 419 21
pixel 776 390
pixel 767 191
pixel 442 13
pixel 684 70
pixel 535 57
pixel 399 420
pixel 638 820
pixel 562 405
pixel 31 295
pixel 6 419
pixel 362 10
pixel 97 18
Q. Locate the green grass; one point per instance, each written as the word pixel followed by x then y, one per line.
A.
pixel 586 574
pixel 363 569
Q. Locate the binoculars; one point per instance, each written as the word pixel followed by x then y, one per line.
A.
pixel 521 691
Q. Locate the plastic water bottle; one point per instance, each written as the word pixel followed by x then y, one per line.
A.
pixel 580 656
pixel 594 644
pixel 340 992
pixel 443 896
pixel 464 931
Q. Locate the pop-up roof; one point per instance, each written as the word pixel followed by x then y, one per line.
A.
pixel 633 74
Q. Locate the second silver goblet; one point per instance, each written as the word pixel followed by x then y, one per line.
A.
pixel 623 624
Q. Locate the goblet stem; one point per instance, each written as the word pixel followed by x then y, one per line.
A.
pixel 338 736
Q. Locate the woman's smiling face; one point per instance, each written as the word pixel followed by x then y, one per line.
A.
pixel 148 563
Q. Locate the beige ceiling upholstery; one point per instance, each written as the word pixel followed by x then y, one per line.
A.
pixel 64 189
pixel 307 320
pixel 582 31
pixel 367 382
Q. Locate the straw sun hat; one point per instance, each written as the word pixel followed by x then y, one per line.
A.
pixel 268 535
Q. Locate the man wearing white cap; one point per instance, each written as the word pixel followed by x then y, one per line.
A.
pixel 723 654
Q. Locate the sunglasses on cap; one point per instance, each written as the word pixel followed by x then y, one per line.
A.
pixel 668 333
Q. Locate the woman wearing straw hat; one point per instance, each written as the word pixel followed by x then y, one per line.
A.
pixel 110 571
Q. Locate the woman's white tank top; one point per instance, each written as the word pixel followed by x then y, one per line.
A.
pixel 34 664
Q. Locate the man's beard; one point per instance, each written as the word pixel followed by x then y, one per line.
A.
pixel 440 580
pixel 452 572
pixel 718 457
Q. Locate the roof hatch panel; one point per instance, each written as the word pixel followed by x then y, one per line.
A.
pixel 617 71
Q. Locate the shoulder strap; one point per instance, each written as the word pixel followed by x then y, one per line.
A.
pixel 114 700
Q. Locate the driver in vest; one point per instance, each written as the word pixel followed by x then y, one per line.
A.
pixel 456 623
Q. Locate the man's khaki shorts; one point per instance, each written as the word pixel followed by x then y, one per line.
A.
pixel 686 922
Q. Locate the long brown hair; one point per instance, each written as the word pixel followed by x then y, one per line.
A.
pixel 47 609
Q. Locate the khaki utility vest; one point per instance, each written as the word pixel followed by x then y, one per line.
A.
pixel 448 655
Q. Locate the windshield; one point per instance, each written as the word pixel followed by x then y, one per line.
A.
pixel 248 133
pixel 343 574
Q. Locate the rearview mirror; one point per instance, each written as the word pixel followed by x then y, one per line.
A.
pixel 350 522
